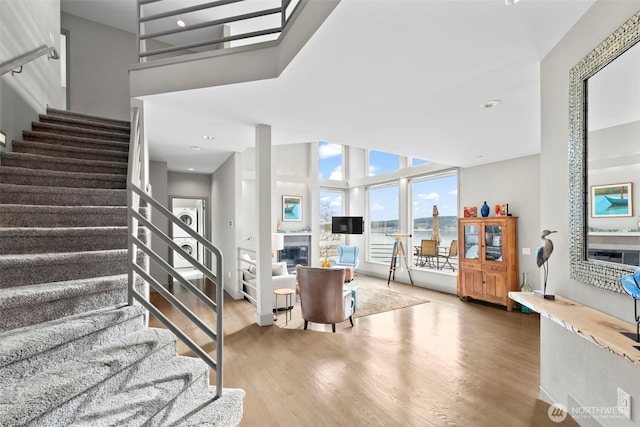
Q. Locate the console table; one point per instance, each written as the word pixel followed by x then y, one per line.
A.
pixel 601 329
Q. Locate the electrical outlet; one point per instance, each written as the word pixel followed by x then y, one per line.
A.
pixel 526 251
pixel 624 403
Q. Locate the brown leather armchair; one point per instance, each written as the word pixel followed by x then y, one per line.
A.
pixel 323 298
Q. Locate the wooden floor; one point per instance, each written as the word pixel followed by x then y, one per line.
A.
pixel 443 363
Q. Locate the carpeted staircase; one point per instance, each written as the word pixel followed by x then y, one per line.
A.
pixel 71 351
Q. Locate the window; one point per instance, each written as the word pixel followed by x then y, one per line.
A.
pixel 417 162
pixel 381 162
pixel 427 192
pixel 331 204
pixel 330 156
pixel 384 216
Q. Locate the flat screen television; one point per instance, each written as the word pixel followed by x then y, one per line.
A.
pixel 347 225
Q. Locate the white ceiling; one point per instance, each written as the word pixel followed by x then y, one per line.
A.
pixel 403 76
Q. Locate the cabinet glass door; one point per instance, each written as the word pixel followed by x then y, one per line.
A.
pixel 471 242
pixel 493 243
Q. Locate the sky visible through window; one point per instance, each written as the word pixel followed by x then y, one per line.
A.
pixel 330 161
pixel 330 205
pixel 380 162
pixel 442 192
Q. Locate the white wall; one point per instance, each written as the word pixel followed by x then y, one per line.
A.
pixel 568 367
pixel 227 212
pixel 99 62
pixel 24 26
pixel 159 186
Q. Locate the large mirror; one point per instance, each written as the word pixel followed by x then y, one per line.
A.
pixel 604 160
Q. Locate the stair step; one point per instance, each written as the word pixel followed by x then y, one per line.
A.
pixel 148 394
pixel 74 131
pixel 28 305
pixel 43 177
pixel 74 141
pixel 57 196
pixel 87 117
pixel 36 161
pixel 55 395
pixel 35 240
pixel 62 216
pixel 205 410
pixel 31 269
pixel 83 123
pixel 44 149
pixel 29 350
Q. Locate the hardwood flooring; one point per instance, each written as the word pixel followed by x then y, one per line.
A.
pixel 443 363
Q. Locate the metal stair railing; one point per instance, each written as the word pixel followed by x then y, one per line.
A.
pixel 21 60
pixel 204 20
pixel 139 197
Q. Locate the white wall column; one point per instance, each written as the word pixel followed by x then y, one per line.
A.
pixel 264 313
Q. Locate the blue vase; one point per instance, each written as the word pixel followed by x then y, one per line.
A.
pixel 484 210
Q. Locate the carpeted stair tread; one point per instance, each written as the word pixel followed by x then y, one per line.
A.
pixel 62 216
pixel 36 161
pixel 207 411
pixel 31 240
pixel 55 178
pixel 146 393
pixel 22 343
pixel 40 195
pixel 44 149
pixel 78 122
pixel 74 141
pixel 62 388
pixel 74 131
pixel 87 117
pixel 29 269
pixel 22 306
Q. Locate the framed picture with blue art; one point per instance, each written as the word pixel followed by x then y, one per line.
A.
pixel 611 200
pixel 291 208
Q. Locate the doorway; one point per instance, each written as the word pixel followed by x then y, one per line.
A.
pixel 192 212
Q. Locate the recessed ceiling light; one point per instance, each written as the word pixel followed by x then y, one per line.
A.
pixel 196 147
pixel 490 104
pixel 180 23
pixel 208 137
pixel 510 2
pixel 190 169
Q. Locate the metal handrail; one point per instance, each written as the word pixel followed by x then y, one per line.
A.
pixel 144 54
pixel 139 198
pixel 21 60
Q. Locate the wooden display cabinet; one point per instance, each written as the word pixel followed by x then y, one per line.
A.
pixel 488 259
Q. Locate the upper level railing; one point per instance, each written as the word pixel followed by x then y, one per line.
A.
pixel 139 204
pixel 167 32
pixel 19 61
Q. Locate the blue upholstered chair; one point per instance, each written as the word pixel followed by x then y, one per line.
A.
pixel 348 256
pixel 631 284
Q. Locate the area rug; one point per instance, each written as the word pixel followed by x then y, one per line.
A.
pixel 374 300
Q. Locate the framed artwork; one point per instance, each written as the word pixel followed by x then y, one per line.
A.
pixel 502 209
pixel 611 200
pixel 470 211
pixel 291 208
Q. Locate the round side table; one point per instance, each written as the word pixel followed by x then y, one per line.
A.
pixel 288 297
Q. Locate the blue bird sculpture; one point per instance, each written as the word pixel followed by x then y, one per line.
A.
pixel 542 255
